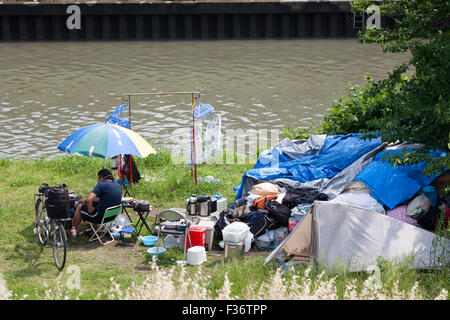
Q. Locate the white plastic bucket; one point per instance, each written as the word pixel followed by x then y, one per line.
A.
pixel 196 255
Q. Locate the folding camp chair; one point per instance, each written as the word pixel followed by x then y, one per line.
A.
pixel 110 213
pixel 171 215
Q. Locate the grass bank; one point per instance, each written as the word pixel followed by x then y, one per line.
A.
pixel 121 272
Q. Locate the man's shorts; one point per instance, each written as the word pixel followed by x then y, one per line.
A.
pixel 94 217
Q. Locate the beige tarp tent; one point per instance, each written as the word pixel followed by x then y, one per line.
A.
pixel 336 233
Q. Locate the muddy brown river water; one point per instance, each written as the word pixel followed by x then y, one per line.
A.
pixel 49 90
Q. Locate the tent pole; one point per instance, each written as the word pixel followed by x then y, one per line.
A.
pixel 193 141
pixel 129 110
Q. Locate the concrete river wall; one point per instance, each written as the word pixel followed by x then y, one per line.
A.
pixel 167 21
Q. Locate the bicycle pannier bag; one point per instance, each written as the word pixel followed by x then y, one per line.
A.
pixel 57 202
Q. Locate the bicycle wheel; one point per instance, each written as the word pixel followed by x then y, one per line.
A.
pixel 59 244
pixel 41 223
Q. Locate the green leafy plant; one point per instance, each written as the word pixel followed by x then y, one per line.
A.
pixel 416 108
pixel 296 133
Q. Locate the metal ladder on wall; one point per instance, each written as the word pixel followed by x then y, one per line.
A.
pixel 358 21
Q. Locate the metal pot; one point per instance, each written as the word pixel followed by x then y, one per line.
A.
pixel 213 205
pixel 141 206
pixel 205 205
pixel 144 206
pixel 169 225
pixel 73 199
pixel 234 249
pixel 192 206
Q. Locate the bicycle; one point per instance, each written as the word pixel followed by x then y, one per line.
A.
pixel 50 229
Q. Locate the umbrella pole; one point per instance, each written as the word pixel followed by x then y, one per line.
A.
pixel 129 111
pixel 104 165
pixel 131 173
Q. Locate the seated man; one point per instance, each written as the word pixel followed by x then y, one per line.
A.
pixel 106 193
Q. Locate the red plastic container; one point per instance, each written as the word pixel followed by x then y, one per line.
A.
pixel 292 225
pixel 197 235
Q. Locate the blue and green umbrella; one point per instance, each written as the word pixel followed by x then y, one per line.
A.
pixel 106 140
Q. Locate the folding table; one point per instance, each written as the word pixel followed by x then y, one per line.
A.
pixel 142 218
pixel 126 205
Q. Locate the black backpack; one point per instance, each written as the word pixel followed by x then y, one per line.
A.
pixel 429 219
pixel 57 202
pixel 278 212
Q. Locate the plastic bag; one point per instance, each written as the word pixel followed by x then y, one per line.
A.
pixel 236 227
pixel 220 225
pixel 203 110
pixel 265 188
pixel 122 220
pixel 212 139
pixel 279 234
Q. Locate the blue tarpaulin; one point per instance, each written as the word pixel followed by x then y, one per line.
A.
pixel 390 185
pixel 393 185
pixel 338 152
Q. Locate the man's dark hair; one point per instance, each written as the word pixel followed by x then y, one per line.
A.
pixel 105 174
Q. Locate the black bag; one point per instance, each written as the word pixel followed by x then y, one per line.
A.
pixel 57 202
pixel 278 212
pixel 429 219
pixel 295 197
pixel 262 224
pixel 220 224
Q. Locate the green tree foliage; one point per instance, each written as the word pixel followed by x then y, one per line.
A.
pixel 413 109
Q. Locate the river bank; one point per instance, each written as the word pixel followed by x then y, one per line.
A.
pixel 30 273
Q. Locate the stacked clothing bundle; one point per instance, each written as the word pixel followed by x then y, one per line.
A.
pixel 269 206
